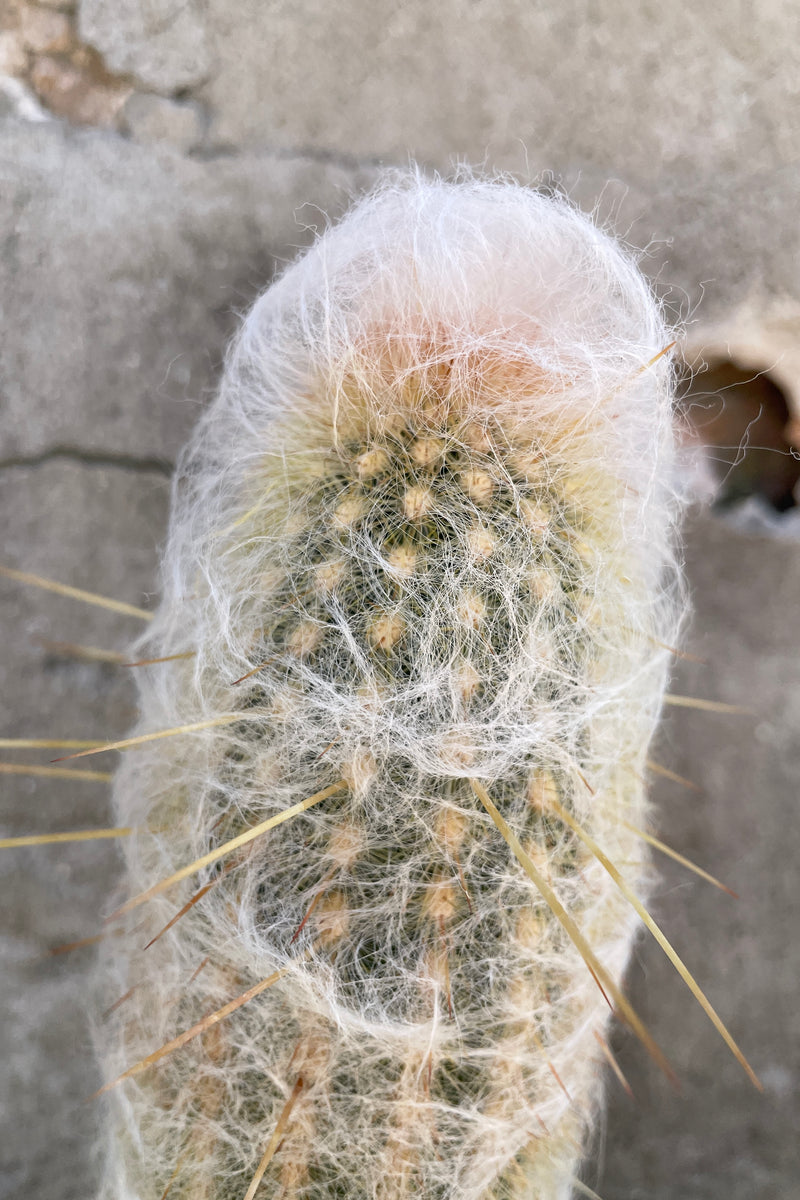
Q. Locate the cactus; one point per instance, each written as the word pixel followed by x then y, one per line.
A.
pixel 417 593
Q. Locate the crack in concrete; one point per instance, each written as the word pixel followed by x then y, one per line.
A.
pixel 214 151
pixel 91 458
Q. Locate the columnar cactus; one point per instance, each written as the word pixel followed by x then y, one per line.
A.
pixel 420 576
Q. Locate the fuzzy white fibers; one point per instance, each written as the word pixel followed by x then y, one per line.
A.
pixel 423 537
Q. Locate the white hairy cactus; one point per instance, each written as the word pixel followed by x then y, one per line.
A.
pixel 418 593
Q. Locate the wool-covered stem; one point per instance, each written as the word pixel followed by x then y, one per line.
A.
pixel 421 560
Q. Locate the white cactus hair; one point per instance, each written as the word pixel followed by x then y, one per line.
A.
pixel 428 528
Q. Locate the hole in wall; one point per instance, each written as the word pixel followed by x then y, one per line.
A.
pixel 740 416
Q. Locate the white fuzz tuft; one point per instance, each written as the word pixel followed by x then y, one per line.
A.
pixel 428 528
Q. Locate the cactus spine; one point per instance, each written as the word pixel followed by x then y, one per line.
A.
pixel 420 562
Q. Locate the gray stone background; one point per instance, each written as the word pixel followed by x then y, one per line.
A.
pixel 158 160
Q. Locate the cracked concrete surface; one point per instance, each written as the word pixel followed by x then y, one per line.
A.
pixel 64 522
pixel 123 266
pixel 170 244
pixel 719 1139
pixel 686 112
pixel 167 45
pixel 477 80
pixel 125 462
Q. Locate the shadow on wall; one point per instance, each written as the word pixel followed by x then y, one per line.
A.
pixel 742 422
